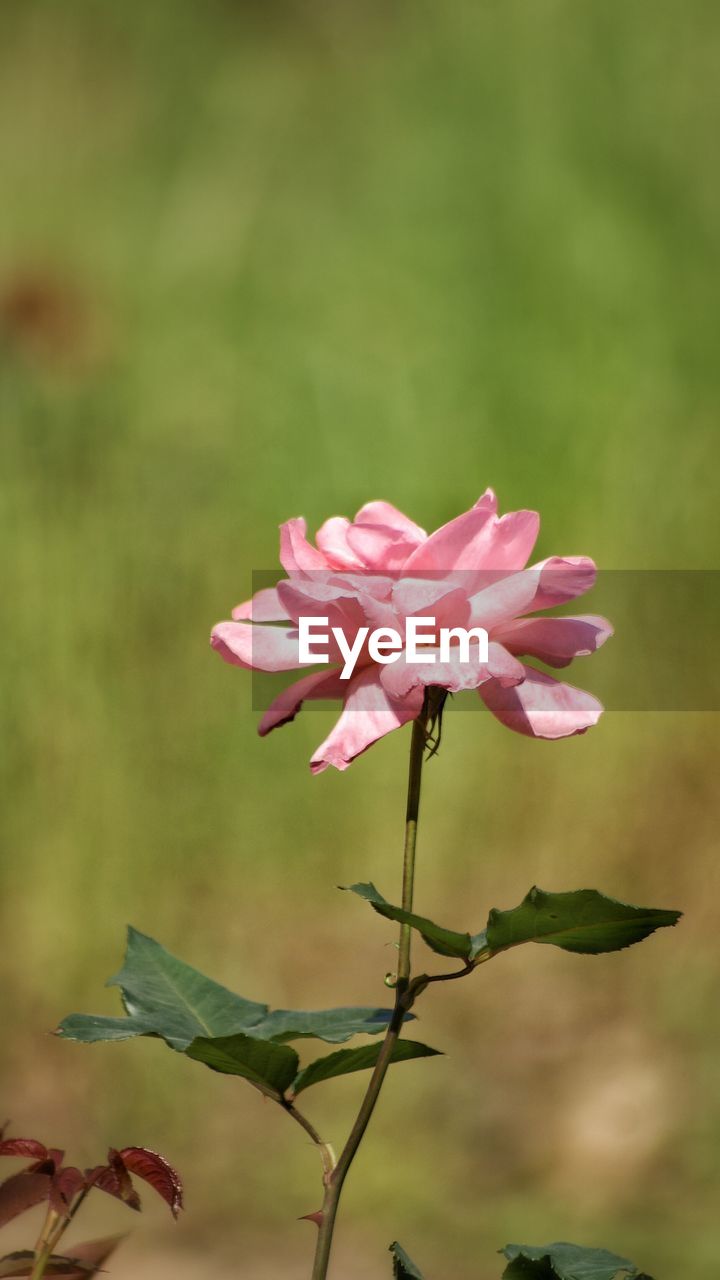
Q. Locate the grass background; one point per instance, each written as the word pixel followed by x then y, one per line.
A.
pixel 259 260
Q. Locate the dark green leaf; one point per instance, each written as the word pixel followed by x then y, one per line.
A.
pixel 346 1060
pixel 403 1267
pixel 270 1067
pixel 19 1263
pixel 584 921
pixel 332 1025
pixel 446 942
pixel 522 1268
pixel 165 997
pixel 22 1263
pixel 90 1028
pixel 561 1261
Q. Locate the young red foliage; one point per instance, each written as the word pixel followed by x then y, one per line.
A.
pixel 47 1179
pixel 21 1192
pixel 90 1256
pixel 154 1169
pixel 114 1179
pixel 28 1147
pixel 64 1186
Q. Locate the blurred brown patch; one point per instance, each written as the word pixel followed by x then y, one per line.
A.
pixel 47 318
pixel 621 1110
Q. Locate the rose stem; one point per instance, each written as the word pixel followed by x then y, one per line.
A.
pixel 336 1179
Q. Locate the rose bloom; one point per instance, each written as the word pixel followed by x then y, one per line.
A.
pixel 381 569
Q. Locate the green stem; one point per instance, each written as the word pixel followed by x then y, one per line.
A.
pixel 417 749
pixel 53 1228
pixel 41 1261
pixel 403 1001
pixel 327 1155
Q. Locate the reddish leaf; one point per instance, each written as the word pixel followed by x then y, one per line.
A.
pixel 91 1255
pixel 22 1191
pixel 64 1187
pixel 50 1164
pixel 29 1147
pixel 115 1180
pixel 155 1169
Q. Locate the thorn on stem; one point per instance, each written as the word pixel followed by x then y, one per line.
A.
pixel 317 1217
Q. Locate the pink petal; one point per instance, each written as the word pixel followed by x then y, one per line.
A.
pixel 325 684
pixel 249 645
pixel 315 597
pixel 400 677
pixel 368 715
pixel 296 553
pixel 436 597
pixel 332 540
pixel 364 583
pixel 501 601
pixel 384 513
pixel 488 500
pixel 264 607
pixel 417 596
pixel 449 546
pixel 555 640
pixel 541 586
pixel 452 609
pixel 341 606
pixel 379 547
pixel 563 578
pixel 379 613
pixel 503 666
pixel 348 602
pixel 478 540
pixel 542 707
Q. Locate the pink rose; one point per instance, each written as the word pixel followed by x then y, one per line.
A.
pixel 382 569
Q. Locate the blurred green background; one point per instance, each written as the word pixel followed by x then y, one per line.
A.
pixel 265 259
